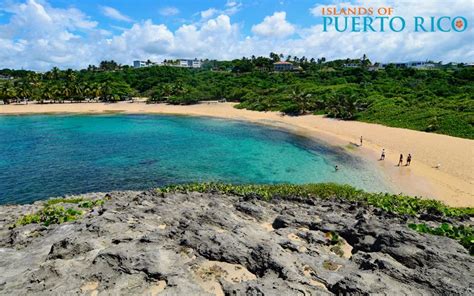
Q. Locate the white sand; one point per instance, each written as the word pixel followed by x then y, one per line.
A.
pixel 452 183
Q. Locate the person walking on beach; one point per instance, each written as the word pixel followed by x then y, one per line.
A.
pixel 408 159
pixel 336 168
pixel 361 140
pixel 400 162
pixel 382 157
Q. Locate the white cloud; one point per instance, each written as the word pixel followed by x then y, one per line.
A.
pixel 115 14
pixel 316 10
pixel 148 40
pixel 209 13
pixel 169 11
pixel 38 36
pixel 275 26
pixel 231 8
pixel 407 45
pixel 231 3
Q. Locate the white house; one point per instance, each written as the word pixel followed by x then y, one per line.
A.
pixel 187 63
pixel 420 65
pixel 139 64
pixel 415 65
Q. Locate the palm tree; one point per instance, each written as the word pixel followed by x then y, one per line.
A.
pixel 7 93
pixel 87 91
pixel 47 94
pixel 301 98
pixel 96 91
pixel 23 92
pixel 275 57
pixel 77 92
pixel 166 91
pixel 55 73
pixel 66 93
pixel 345 105
pixel 179 88
pixel 70 75
pixel 106 92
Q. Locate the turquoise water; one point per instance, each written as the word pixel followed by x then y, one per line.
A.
pixel 52 155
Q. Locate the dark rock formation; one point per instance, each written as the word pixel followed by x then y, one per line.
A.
pixel 208 244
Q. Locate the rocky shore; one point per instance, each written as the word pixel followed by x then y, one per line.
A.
pixel 153 243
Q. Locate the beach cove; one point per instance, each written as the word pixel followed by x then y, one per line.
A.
pixel 452 182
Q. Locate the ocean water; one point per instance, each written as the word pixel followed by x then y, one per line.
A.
pixel 51 155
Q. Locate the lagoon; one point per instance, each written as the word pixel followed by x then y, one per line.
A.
pixel 53 155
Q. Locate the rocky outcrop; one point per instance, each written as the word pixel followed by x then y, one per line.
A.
pixel 207 244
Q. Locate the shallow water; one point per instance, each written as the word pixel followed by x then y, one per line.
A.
pixel 52 155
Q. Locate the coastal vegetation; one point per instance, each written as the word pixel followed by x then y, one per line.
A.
pixel 52 214
pixel 55 212
pixel 393 203
pixel 411 207
pixel 439 100
pixel 463 234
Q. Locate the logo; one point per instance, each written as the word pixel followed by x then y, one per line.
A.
pixel 382 19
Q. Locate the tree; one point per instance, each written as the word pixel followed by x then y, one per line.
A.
pixel 55 72
pixel 70 76
pixel 344 104
pixel 23 91
pixel 275 57
pixel 109 66
pixel 301 98
pixel 65 93
pixel 7 93
pixel 47 94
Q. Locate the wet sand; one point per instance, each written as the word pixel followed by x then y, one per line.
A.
pixel 452 183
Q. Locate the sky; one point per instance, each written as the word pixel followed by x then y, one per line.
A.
pixel 41 34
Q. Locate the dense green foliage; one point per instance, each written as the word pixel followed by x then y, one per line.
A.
pixel 53 213
pixel 463 234
pixel 438 100
pixel 399 204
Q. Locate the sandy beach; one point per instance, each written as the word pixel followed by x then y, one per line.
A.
pixel 452 183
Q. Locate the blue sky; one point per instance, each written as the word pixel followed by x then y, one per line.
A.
pixel 187 11
pixel 40 34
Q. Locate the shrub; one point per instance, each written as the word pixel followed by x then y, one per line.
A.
pixel 51 214
pixel 399 204
pixel 463 234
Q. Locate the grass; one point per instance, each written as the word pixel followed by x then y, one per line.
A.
pixel 53 213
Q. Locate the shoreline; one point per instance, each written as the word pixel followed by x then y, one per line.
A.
pixel 453 183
